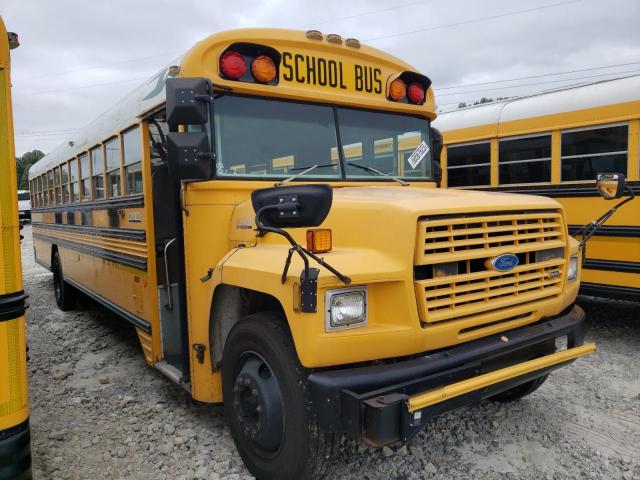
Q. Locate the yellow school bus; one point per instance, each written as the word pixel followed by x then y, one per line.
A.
pixel 15 443
pixel 264 212
pixel 554 144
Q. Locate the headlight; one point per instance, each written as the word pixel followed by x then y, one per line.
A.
pixel 346 308
pixel 572 271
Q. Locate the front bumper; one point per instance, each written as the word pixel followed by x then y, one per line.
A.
pixel 385 403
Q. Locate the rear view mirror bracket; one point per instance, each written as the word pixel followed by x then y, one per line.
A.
pixel 610 186
pixel 296 206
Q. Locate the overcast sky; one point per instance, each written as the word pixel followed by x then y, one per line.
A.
pixel 79 57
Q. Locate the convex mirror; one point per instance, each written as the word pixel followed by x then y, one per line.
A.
pixel 611 185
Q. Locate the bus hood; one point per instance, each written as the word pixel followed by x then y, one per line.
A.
pixel 433 201
pixel 384 218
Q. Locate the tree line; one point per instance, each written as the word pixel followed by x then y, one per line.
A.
pixel 23 164
pixel 481 101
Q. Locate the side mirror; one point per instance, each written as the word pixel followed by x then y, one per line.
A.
pixel 295 206
pixel 437 172
pixel 190 155
pixel 187 101
pixel 611 185
pixel 436 143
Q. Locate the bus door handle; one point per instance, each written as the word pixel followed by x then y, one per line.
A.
pixel 169 305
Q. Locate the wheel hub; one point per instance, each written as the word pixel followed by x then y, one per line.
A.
pixel 257 403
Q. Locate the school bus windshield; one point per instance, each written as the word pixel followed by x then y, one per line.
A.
pixel 276 139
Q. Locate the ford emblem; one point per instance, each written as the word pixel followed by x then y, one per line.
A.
pixel 504 262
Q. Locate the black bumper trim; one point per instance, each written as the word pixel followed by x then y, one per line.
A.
pixel 12 305
pixel 369 402
pixel 15 453
pixel 610 291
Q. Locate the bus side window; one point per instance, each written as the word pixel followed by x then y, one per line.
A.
pixel 33 189
pixel 64 180
pixel 132 154
pixel 97 164
pixel 469 165
pixel 525 160
pixel 56 183
pixel 85 178
pixel 587 152
pixel 51 188
pixel 158 130
pixel 73 180
pixel 112 148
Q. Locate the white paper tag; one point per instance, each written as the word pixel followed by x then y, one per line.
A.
pixel 418 154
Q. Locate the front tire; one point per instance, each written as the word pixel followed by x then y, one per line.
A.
pixel 266 403
pixel 521 391
pixel 64 293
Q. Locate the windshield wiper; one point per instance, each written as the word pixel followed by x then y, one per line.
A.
pixel 307 170
pixel 373 170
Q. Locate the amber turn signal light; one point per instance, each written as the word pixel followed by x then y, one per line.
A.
pixel 263 69
pixel 397 90
pixel 319 240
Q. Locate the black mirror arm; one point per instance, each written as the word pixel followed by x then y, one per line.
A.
pixel 590 229
pixel 295 247
pixel 346 280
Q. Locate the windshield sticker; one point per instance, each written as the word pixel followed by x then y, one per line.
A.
pixel 418 154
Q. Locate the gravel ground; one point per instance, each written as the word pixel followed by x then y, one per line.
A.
pixel 99 412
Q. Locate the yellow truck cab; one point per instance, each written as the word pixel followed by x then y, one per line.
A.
pixel 265 212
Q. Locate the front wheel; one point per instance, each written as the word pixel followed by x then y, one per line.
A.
pixel 266 405
pixel 521 391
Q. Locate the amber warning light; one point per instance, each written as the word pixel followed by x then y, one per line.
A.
pixel 319 240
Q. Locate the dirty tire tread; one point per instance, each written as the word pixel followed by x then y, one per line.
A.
pixel 272 327
pixel 67 300
pixel 520 391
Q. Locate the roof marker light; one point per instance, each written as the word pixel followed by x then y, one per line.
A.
pixel 314 34
pixel 352 42
pixel 232 65
pixel 334 38
pixel 397 90
pixel 14 42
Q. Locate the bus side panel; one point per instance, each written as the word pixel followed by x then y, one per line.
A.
pixel 42 252
pixel 203 250
pixel 124 286
pixel 613 255
pixel 106 261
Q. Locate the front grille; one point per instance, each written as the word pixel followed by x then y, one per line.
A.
pixel 453 275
